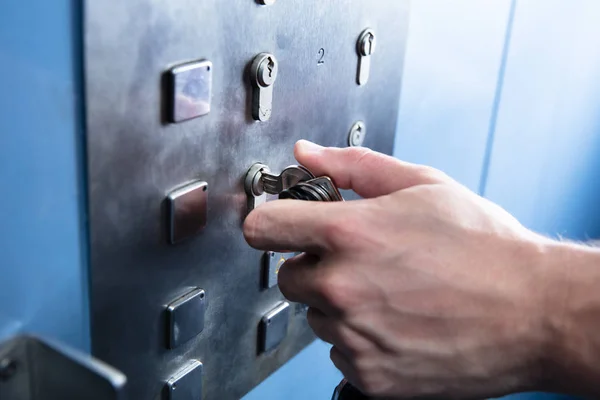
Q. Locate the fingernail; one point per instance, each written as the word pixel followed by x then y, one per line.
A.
pixel 309 147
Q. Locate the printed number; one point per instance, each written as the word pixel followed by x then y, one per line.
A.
pixel 321 56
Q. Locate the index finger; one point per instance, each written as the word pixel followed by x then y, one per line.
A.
pixel 368 173
pixel 292 225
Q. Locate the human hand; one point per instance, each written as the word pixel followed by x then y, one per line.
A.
pixel 424 288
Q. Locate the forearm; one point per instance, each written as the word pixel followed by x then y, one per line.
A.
pixel 573 300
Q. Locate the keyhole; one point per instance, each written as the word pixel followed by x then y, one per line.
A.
pixel 270 68
pixel 371 38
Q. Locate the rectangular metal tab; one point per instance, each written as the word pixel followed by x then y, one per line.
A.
pixel 188 211
pixel 272 261
pixel 186 317
pixel 190 90
pixel 274 326
pixel 186 384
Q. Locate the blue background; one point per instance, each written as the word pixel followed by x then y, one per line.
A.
pixel 503 95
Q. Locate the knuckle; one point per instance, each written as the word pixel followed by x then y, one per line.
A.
pixel 335 290
pixel 333 356
pixel 343 230
pixel 429 174
pixel 367 380
pixel 285 281
pixel 352 341
pixel 334 228
pixel 357 154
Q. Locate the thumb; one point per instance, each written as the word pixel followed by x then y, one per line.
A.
pixel 368 173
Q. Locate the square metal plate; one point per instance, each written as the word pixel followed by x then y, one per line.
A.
pixel 274 326
pixel 191 90
pixel 272 262
pixel 186 384
pixel 188 211
pixel 186 317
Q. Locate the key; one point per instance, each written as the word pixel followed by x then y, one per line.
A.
pixel 317 189
pixel 260 180
pixel 290 176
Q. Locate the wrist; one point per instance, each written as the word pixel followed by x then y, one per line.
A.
pixel 570 276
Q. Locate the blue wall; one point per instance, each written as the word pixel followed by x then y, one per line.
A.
pixel 43 285
pixel 503 95
pixel 545 162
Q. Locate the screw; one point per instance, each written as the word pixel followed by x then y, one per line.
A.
pixel 8 368
pixel 357 134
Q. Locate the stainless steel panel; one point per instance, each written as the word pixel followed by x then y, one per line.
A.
pixel 136 157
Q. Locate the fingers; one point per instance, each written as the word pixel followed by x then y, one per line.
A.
pixel 319 322
pixel 337 333
pixel 299 280
pixel 342 363
pixel 368 173
pixel 293 225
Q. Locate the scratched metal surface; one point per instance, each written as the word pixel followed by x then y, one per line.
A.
pixel 135 158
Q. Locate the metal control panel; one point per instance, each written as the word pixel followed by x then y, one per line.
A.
pixel 182 98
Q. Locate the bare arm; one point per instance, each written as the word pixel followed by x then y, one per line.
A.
pixel 574 315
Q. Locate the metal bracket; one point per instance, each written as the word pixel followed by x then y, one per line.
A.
pixel 36 369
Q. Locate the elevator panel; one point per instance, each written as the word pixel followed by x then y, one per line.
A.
pixel 187 95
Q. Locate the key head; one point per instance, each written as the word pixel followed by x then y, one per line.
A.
pixel 294 174
pixel 317 189
pixel 290 176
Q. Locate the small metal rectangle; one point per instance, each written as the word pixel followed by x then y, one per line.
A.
pixel 186 384
pixel 272 261
pixel 191 90
pixel 188 211
pixel 185 317
pixel 274 326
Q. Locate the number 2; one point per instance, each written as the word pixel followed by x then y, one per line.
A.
pixel 321 56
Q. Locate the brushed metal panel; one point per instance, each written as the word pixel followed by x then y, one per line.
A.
pixel 136 158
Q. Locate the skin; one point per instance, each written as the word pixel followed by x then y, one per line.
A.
pixel 426 290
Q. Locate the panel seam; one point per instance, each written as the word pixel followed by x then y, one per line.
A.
pixel 497 99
